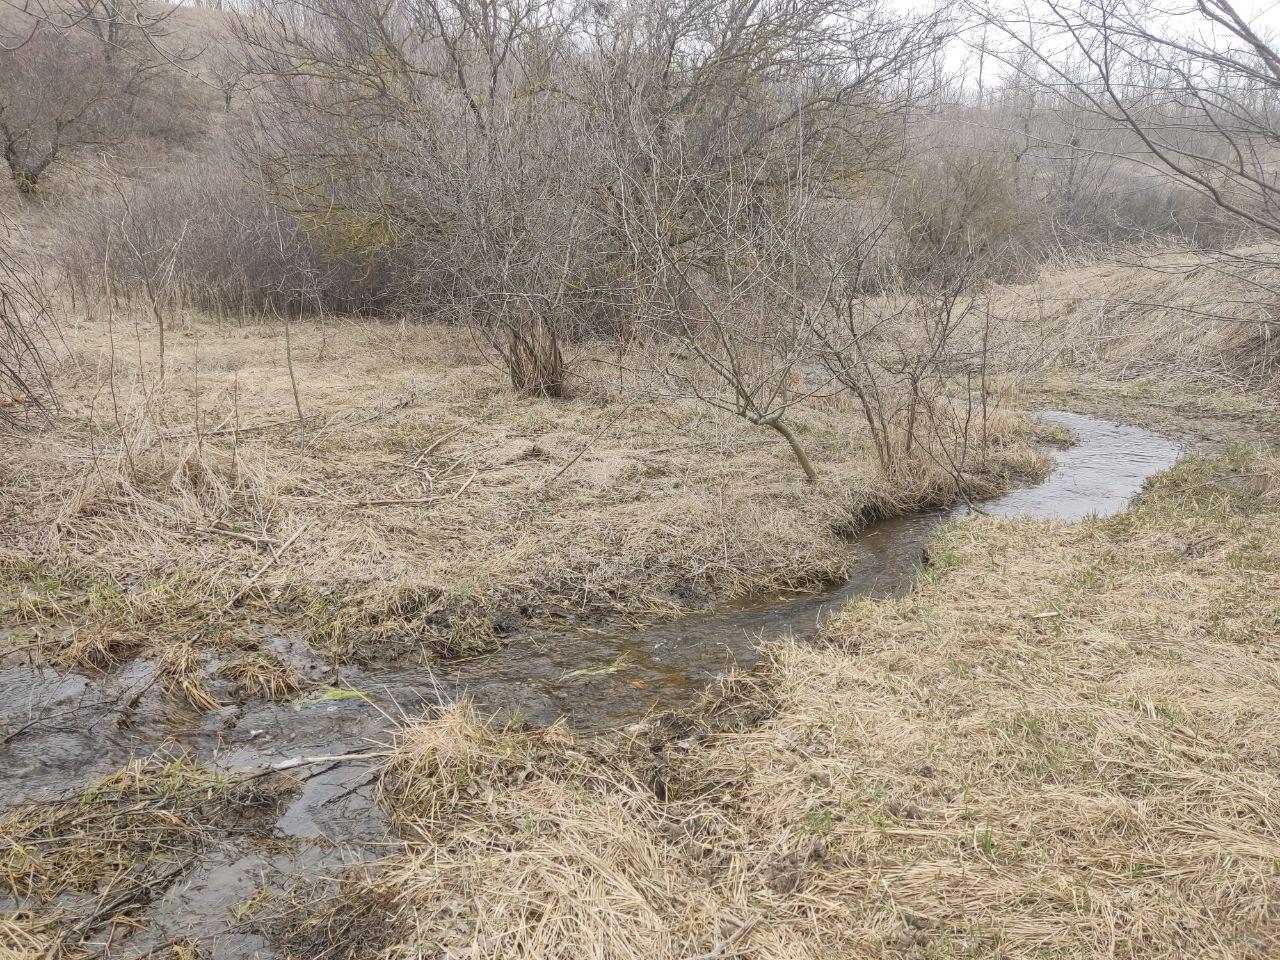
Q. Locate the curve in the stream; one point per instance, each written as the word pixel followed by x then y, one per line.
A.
pixel 72 729
pixel 597 679
pixel 603 679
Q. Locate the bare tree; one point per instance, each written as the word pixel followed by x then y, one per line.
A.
pixel 25 324
pixel 741 138
pixel 737 307
pixel 497 144
pixel 436 132
pixel 1194 86
pixel 88 74
pixel 916 357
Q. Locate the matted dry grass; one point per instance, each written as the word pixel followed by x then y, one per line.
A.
pixel 84 868
pixel 1064 744
pixel 1206 318
pixel 421 505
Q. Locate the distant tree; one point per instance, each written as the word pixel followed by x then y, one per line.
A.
pixel 25 324
pixel 546 164
pixel 86 73
pixel 1194 85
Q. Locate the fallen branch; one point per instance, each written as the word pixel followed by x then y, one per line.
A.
pixel 394 501
pixel 294 763
pixel 275 558
pixel 588 445
pixel 234 535
pixel 722 948
pixel 431 448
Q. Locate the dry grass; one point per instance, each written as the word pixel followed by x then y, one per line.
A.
pixel 19 942
pixel 181 673
pixel 422 506
pixel 1064 744
pixel 1209 319
pixel 260 674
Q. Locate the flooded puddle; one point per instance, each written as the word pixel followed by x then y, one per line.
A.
pixel 59 731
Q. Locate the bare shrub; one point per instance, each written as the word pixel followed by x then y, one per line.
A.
pixel 25 322
pixel 500 145
pixel 1190 87
pixel 211 236
pixel 1188 95
pixel 736 308
pixel 89 74
pixel 916 358
pixel 957 210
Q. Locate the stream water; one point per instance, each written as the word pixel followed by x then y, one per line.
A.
pixel 602 679
pixel 58 731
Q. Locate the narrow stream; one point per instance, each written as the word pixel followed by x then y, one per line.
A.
pixel 596 679
pixel 603 679
pixel 59 731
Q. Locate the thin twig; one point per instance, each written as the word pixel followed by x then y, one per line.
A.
pixel 275 557
pixel 721 949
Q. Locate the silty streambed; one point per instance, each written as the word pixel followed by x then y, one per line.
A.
pixel 59 731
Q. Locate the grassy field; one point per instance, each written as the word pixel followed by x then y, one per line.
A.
pixel 421 507
pixel 1063 744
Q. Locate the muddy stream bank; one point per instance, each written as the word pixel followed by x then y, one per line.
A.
pixel 60 731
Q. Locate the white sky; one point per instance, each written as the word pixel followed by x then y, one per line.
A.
pixel 1262 15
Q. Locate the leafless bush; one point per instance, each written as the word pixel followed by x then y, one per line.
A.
pixel 739 308
pixel 956 211
pixel 210 235
pixel 1185 94
pixel 87 74
pixel 1021 179
pixel 916 358
pixel 25 321
pixel 497 142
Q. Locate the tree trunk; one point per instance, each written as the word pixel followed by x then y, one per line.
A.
pixel 534 359
pixel 810 474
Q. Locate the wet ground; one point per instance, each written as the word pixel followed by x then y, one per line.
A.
pixel 604 679
pixel 59 731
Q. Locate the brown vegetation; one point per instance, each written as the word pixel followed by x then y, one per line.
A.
pixel 422 502
pixel 1198 318
pixel 98 859
pixel 1061 745
pixel 396 328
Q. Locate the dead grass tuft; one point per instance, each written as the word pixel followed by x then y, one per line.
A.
pixel 407 618
pixel 261 674
pixel 83 620
pixel 455 758
pixel 356 921
pixel 527 846
pixel 19 942
pixel 180 670
pixel 1264 480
